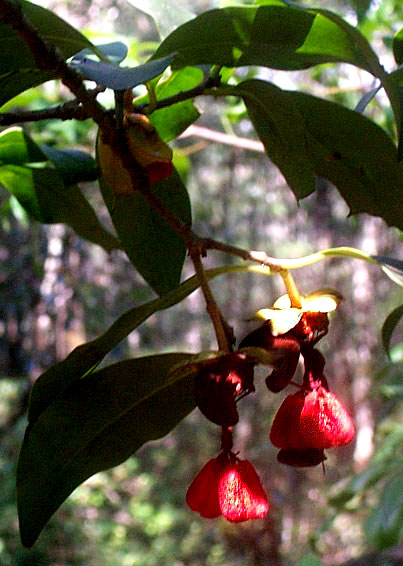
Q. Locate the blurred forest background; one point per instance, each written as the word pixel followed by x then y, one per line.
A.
pixel 58 291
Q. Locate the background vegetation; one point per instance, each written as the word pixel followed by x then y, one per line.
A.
pixel 58 291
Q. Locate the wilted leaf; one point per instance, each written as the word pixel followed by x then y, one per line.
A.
pixel 97 423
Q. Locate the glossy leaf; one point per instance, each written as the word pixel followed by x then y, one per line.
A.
pixel 154 249
pixel 97 423
pixel 171 121
pixel 19 71
pixel 281 127
pixel 389 326
pixel 120 78
pixel 167 14
pixel 51 384
pixel 354 154
pixel 273 35
pixel 43 187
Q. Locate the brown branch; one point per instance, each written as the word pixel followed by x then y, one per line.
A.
pixel 211 304
pixel 71 110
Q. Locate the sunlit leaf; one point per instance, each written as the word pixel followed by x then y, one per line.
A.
pixel 389 326
pixel 97 423
pixel 171 121
pixel 273 35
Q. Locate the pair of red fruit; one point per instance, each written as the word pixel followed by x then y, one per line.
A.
pixel 308 421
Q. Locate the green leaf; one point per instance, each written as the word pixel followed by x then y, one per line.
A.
pixel 40 185
pixel 384 526
pixel 274 35
pixel 72 165
pixel 398 47
pixel 97 423
pixel 167 14
pixel 389 326
pixel 354 154
pixel 51 384
pixel 281 127
pixel 18 71
pixel 154 249
pixel 171 121
pixel 120 78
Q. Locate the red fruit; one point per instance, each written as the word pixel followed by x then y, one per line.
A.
pixel 202 495
pixel 311 421
pixel 240 492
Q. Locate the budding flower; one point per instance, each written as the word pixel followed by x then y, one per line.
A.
pixel 219 385
pixel 229 487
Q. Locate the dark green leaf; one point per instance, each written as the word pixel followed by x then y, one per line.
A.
pixel 274 35
pixel 281 127
pixel 384 527
pixel 154 249
pixel 41 189
pixel 398 47
pixel 72 165
pixel 167 14
pixel 389 326
pixel 18 70
pixel 97 423
pixel 51 384
pixel 120 78
pixel 171 121
pixel 356 155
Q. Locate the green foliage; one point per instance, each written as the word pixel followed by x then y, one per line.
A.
pixel 82 420
pixel 94 425
pixel 19 71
